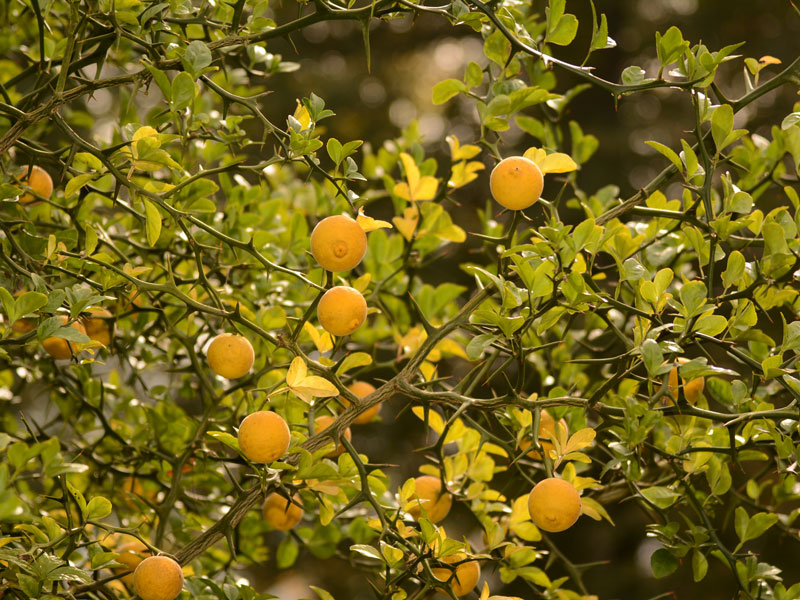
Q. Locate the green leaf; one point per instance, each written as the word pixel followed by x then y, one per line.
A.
pixel 98 508
pixel 721 125
pixel 633 75
pixel 287 552
pixel 561 28
pixel 473 76
pixel 663 497
pixel 153 222
pixel 670 46
pixel 668 152
pixel 334 148
pixel 76 183
pixel 183 90
pixel 790 120
pixel 8 304
pixel 354 360
pixel 652 355
pixel 196 57
pixel 161 79
pixel 693 297
pixel 749 528
pixel 663 563
pixel 478 344
pixel 699 565
pixel 497 48
pixel 29 303
pixel 447 89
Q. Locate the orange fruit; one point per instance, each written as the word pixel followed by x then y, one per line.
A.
pixel 691 389
pixel 554 504
pixel 465 577
pixel 362 389
pixel 99 326
pixel 321 424
pixel 264 436
pixel 230 355
pixel 39 181
pixel 158 578
pixel 516 182
pixel 341 310
pixel 280 513
pixel 338 243
pixel 428 495
pixel 59 348
pixel 547 432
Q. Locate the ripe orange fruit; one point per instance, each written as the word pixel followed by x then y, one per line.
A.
pixel 23 326
pixel 554 504
pixel 338 243
pixel 39 181
pixel 322 423
pixel 130 555
pixel 465 577
pixel 158 578
pixel 264 436
pixel 99 326
pixel 230 355
pixel 59 348
pixel 516 182
pixel 547 431
pixel 362 389
pixel 341 310
pixel 691 389
pixel 428 495
pixel 280 513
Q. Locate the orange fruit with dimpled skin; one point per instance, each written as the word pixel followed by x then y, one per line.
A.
pixel 428 495
pixel 39 181
pixel 264 436
pixel 465 577
pixel 362 389
pixel 516 182
pixel 158 578
pixel 691 389
pixel 59 348
pixel 230 355
pixel 280 513
pixel 98 326
pixel 554 504
pixel 341 310
pixel 547 431
pixel 338 243
pixel 322 423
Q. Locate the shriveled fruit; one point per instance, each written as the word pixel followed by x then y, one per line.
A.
pixel 39 181
pixel 264 436
pixel 338 243
pixel 341 310
pixel 554 504
pixel 547 431
pixel 692 389
pixel 60 348
pixel 428 495
pixel 230 355
pixel 362 389
pixel 325 421
pixel 281 513
pixel 463 578
pixel 99 326
pixel 158 578
pixel 516 182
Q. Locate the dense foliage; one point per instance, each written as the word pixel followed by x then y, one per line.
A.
pixel 651 342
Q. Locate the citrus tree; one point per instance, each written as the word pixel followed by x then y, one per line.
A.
pixel 207 299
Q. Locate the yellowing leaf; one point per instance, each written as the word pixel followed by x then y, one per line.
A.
pixel 459 152
pixel 434 419
pixel 464 172
pixel 407 224
pixel 558 162
pixel 322 341
pixel 369 224
pixel 593 509
pixel 301 114
pixel 417 188
pixel 307 387
pixel 362 282
pixel 428 370
pixel 144 132
pixel 451 348
pixel 580 439
pixel 769 60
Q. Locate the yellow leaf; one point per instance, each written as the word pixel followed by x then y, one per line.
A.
pixel 595 510
pixel 307 387
pixel 485 591
pixel 519 511
pixel 362 282
pixel 301 114
pixel 412 340
pixel 769 60
pixel 580 439
pixel 464 172
pixel 144 132
pixel 369 224
pixel 407 224
pixel 418 188
pixel 451 348
pixel 428 370
pixel 434 419
pixel 323 341
pixel 459 152
pixel 558 162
